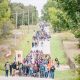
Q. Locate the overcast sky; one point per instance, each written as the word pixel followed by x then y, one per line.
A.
pixel 38 3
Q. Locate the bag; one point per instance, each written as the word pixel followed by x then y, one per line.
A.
pixel 52 69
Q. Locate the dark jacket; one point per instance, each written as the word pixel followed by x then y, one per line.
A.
pixel 52 69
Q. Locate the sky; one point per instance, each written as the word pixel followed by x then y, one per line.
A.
pixel 37 3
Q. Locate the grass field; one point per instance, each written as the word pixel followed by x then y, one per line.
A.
pixel 65 75
pixel 25 44
pixel 57 49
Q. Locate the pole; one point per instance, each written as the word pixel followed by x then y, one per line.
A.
pixel 32 18
pixel 16 26
pixel 23 18
pixel 16 19
pixel 28 20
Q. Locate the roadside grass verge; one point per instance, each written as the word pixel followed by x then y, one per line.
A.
pixel 57 49
pixel 65 75
pixel 25 44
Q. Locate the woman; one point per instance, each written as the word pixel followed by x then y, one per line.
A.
pixel 17 70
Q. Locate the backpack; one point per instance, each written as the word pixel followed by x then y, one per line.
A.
pixel 52 69
pixel 42 68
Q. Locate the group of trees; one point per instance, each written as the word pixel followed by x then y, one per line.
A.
pixel 4 16
pixel 63 15
pixel 25 15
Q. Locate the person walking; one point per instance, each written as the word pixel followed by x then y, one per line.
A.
pixel 42 70
pixel 46 71
pixel 17 70
pixel 57 62
pixel 31 70
pixel 7 67
pixel 14 68
pixel 52 72
pixel 20 68
pixel 10 69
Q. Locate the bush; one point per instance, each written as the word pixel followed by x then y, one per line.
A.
pixel 77 35
pixel 77 60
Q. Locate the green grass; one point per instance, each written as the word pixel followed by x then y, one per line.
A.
pixel 1 72
pixel 57 50
pixel 65 75
pixel 24 45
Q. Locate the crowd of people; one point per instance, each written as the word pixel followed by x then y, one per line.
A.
pixel 36 63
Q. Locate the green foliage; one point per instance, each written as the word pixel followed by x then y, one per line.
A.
pixel 4 17
pixel 6 29
pixel 65 75
pixel 77 60
pixel 57 50
pixel 62 14
pixel 77 33
pixel 19 8
pixel 4 12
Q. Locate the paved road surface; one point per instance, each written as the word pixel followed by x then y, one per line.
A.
pixel 45 47
pixel 22 78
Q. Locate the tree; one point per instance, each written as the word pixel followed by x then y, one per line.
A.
pixel 77 35
pixel 63 15
pixel 77 60
pixel 4 14
pixel 23 14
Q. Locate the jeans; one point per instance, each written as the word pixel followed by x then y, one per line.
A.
pixel 52 74
pixel 7 73
pixel 24 69
pixel 30 72
pixel 46 74
pixel 10 72
pixel 41 74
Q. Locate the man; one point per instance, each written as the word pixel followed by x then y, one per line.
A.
pixel 42 70
pixel 46 71
pixel 57 62
pixel 33 44
pixel 14 68
pixel 7 66
pixel 52 69
pixel 10 69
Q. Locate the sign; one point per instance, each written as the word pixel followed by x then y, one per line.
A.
pixel 8 53
pixel 19 56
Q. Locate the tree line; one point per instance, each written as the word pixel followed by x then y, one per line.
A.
pixel 25 14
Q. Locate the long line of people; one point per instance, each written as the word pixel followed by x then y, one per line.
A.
pixel 36 64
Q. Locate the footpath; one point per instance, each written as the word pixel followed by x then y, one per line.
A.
pixel 45 47
pixel 23 78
